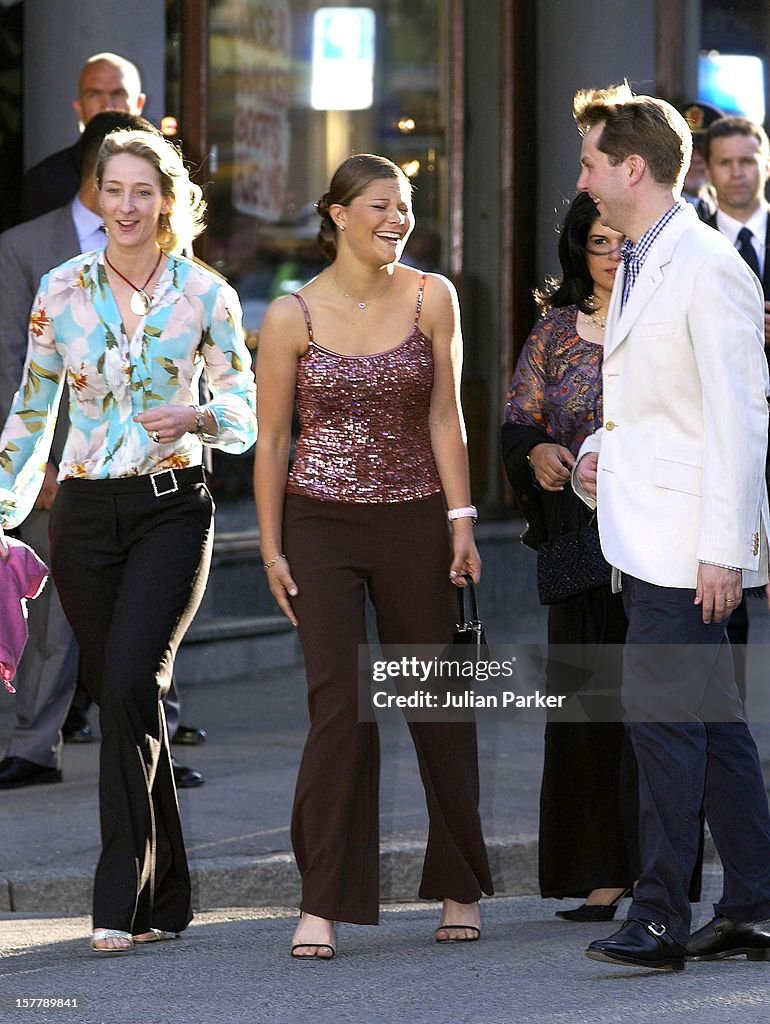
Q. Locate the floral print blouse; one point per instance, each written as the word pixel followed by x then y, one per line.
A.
pixel 75 334
pixel 557 385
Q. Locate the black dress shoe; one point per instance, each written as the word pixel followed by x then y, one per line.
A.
pixel 16 771
pixel 639 943
pixel 77 734
pixel 593 911
pixel 189 736
pixel 722 937
pixel 186 778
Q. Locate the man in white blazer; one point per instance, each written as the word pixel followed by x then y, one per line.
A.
pixel 677 474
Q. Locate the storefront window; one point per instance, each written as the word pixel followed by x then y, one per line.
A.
pixel 294 88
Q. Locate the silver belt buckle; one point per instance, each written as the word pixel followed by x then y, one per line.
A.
pixel 168 490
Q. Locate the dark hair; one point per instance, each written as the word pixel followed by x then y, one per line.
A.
pixel 100 126
pixel 576 283
pixel 644 125
pixel 724 127
pixel 351 178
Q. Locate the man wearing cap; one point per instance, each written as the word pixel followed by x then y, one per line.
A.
pixel 699 116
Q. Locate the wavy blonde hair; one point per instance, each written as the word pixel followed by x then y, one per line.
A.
pixel 184 221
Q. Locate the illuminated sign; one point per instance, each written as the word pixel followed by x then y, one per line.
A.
pixel 343 58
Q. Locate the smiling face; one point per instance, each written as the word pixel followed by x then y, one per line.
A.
pixel 378 222
pixel 604 182
pixel 131 201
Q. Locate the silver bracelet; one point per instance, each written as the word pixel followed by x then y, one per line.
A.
pixel 273 561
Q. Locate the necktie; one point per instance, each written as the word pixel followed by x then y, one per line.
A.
pixel 746 249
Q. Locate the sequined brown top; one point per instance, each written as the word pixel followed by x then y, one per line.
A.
pixel 364 434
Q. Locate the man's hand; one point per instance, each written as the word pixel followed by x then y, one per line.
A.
pixel 718 591
pixel 552 465
pixel 767 325
pixel 586 473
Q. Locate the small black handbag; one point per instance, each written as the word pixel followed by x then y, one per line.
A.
pixel 571 564
pixel 469 638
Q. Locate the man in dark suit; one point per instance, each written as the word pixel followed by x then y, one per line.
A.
pixel 683 519
pixel 737 157
pixel 48 671
pixel 106 82
pixel 738 160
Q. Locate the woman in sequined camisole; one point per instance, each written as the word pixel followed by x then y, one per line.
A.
pixel 369 353
pixel 364 421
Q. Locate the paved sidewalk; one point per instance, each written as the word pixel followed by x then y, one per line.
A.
pixel 237 824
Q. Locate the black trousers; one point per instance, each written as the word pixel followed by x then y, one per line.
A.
pixel 131 569
pixel 694 753
pixel 400 552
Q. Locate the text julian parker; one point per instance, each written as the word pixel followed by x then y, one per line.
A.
pixel 467 699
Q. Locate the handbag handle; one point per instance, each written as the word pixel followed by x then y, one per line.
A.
pixel 467 596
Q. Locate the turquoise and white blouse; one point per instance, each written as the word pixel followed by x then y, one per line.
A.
pixel 75 334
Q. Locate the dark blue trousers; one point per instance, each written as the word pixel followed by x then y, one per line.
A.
pixel 694 751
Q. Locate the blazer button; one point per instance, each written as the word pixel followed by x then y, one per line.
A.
pixel 609 425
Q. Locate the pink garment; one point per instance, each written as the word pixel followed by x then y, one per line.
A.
pixel 22 575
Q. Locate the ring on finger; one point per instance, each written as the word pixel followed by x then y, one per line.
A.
pixel 155 436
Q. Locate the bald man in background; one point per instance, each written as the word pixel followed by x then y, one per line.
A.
pixel 107 81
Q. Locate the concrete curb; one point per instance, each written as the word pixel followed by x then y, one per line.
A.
pixel 268 880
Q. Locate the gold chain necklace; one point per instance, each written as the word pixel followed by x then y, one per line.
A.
pixel 361 305
pixel 595 318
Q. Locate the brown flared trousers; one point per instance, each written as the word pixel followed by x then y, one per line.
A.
pixel 400 553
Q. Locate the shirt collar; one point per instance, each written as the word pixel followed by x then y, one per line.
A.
pixel 757 225
pixel 86 222
pixel 639 250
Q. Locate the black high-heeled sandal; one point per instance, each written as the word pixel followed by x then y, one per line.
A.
pixel 594 911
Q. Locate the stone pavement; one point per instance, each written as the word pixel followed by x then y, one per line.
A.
pixel 237 824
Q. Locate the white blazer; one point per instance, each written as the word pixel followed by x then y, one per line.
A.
pixel 681 473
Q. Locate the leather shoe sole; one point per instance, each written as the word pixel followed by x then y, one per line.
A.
pixel 670 964
pixel 639 943
pixel 722 938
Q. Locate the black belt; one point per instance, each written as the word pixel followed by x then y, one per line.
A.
pixel 165 481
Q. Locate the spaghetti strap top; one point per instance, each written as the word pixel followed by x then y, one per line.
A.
pixel 364 427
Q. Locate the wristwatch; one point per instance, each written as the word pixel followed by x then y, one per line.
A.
pixel 200 421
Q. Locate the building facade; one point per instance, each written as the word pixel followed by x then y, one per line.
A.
pixel 471 97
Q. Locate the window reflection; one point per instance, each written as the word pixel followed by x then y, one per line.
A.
pixel 274 152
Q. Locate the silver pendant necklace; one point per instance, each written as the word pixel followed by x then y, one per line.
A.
pixel 140 301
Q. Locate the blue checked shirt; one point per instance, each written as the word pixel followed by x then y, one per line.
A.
pixel 635 255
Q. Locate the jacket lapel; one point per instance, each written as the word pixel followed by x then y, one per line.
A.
pixel 621 321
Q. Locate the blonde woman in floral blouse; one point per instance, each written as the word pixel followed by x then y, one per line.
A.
pixel 131 330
